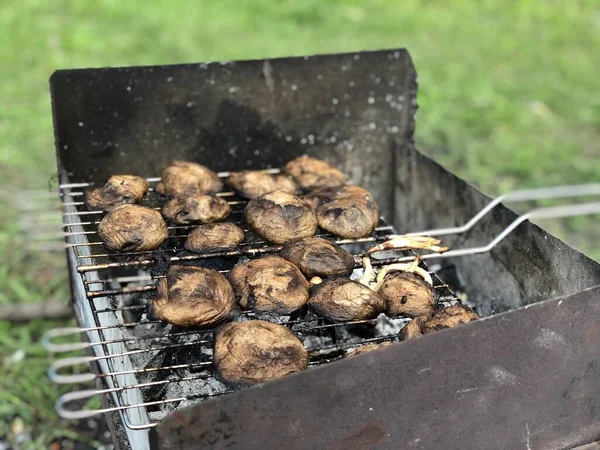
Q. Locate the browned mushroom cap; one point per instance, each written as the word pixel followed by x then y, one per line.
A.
pixel 346 211
pixel 193 297
pixel 340 299
pixel 312 173
pixel 449 317
pixel 269 284
pixel 368 348
pixel 279 217
pixel 413 328
pixel 118 190
pixel 196 208
pixel 252 183
pixel 213 237
pixel 255 351
pixel 132 228
pixel 407 294
pixel 187 178
pixel 318 257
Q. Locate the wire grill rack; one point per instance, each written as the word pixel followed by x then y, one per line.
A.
pixel 150 367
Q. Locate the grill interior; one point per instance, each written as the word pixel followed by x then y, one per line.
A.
pixel 172 366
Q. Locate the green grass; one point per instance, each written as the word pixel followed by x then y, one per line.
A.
pixel 509 97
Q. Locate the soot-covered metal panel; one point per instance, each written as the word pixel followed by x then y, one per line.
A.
pixel 348 109
pixel 528 266
pixel 523 379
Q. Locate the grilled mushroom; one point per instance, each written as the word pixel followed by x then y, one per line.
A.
pixel 187 178
pixel 196 208
pixel 279 217
pixel 318 257
pixel 312 173
pixel 413 328
pixel 132 228
pixel 340 299
pixel 346 211
pixel 255 351
pixel 252 183
pixel 193 297
pixel 407 294
pixel 269 284
pixel 118 190
pixel 213 237
pixel 449 317
pixel 367 348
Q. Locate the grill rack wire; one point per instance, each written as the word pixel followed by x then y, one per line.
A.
pixel 90 259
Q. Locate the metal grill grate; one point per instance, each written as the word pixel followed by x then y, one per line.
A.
pixel 117 288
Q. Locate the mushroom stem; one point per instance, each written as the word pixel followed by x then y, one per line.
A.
pixel 402 242
pixel 412 267
pixel 368 272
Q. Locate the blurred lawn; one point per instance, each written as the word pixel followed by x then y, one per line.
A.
pixel 509 97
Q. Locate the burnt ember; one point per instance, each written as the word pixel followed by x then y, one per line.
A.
pixel 213 237
pixel 317 257
pixel 279 217
pixel 254 183
pixel 340 299
pixel 118 190
pixel 313 173
pixel 193 297
pixel 346 211
pixel 269 284
pixel 196 208
pixel 256 351
pixel 407 294
pixel 187 178
pixel 132 228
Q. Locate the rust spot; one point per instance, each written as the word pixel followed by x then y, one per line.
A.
pixel 364 439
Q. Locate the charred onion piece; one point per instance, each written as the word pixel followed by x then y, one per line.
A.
pixel 346 211
pixel 132 228
pixel 252 183
pixel 118 190
pixel 340 299
pixel 187 178
pixel 279 217
pixel 318 257
pixel 196 208
pixel 413 328
pixel 255 351
pixel 406 294
pixel 368 348
pixel 449 317
pixel 312 173
pixel 193 297
pixel 214 237
pixel 269 284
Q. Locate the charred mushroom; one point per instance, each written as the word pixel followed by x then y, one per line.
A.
pixel 255 351
pixel 340 299
pixel 279 217
pixel 187 178
pixel 213 237
pixel 413 328
pixel 346 211
pixel 253 183
pixel 269 284
pixel 406 294
pixel 193 297
pixel 132 228
pixel 196 208
pixel 449 317
pixel 312 173
pixel 318 257
pixel 118 190
pixel 368 348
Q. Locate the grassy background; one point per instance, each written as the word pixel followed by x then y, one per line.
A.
pixel 509 97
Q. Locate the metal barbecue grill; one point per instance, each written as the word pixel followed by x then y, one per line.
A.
pixel 461 388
